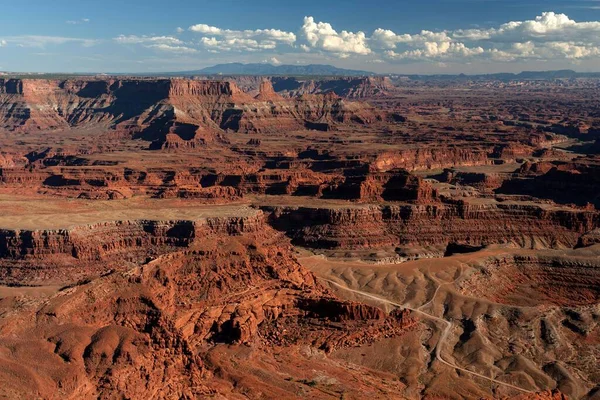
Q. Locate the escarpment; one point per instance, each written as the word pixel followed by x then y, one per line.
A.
pixel 321 179
pixel 160 328
pixel 434 226
pixel 271 238
pixel 392 185
pixel 355 88
pixel 568 279
pixel 78 252
pixel 432 158
pixel 574 182
pixel 182 113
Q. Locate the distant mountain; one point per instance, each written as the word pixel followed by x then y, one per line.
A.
pixel 271 70
pixel 522 76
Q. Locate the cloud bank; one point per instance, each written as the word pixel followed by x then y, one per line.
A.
pixel 548 37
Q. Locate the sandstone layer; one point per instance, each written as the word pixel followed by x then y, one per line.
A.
pixel 274 238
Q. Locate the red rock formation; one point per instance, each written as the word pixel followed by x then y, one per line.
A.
pixel 437 225
pixel 550 279
pixel 157 299
pixel 159 110
pixel 393 185
pixel 354 88
pixel 267 93
pixel 431 157
pixel 484 182
pixel 575 182
pixel 156 330
pixel 546 395
pixel 68 255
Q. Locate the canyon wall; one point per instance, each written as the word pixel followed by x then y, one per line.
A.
pixel 187 110
pixel 115 182
pixel 54 255
pixel 353 88
pixel 164 327
pixel 434 225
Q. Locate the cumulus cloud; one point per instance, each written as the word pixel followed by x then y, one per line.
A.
pixel 422 46
pixel 217 39
pixel 3 43
pixel 322 36
pixel 549 36
pixel 236 44
pixel 272 60
pixel 387 39
pixel 547 27
pixel 203 28
pixel 435 50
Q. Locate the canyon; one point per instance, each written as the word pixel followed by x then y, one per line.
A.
pixel 255 237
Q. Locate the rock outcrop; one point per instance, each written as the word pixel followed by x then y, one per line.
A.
pixel 353 88
pixel 434 226
pixel 172 113
pixel 154 236
pixel 163 328
pixel 392 185
pixel 77 253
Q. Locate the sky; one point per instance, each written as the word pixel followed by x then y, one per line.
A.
pixel 384 36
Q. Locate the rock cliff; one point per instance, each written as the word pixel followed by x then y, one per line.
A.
pixel 434 226
pixel 353 88
pixel 167 111
pixel 77 253
pixel 163 328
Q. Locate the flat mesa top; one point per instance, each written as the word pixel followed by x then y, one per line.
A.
pixel 26 213
pixel 46 213
pixel 20 212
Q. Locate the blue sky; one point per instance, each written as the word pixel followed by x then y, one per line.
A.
pixel 426 36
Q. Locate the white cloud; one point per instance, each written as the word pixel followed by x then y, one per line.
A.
pixel 172 49
pixel 216 39
pixel 148 40
pixel 386 39
pixel 422 46
pixel 78 22
pixel 436 50
pixel 272 60
pixel 3 43
pixel 322 36
pixel 43 41
pixel 471 34
pixel 549 26
pixel 570 50
pixel 203 28
pixel 235 44
pixel 161 43
pixel 179 30
pixel 549 36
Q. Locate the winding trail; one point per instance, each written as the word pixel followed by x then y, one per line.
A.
pixel 440 286
pixel 443 337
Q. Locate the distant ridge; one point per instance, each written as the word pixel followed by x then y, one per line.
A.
pixel 314 70
pixel 273 70
pixel 505 76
